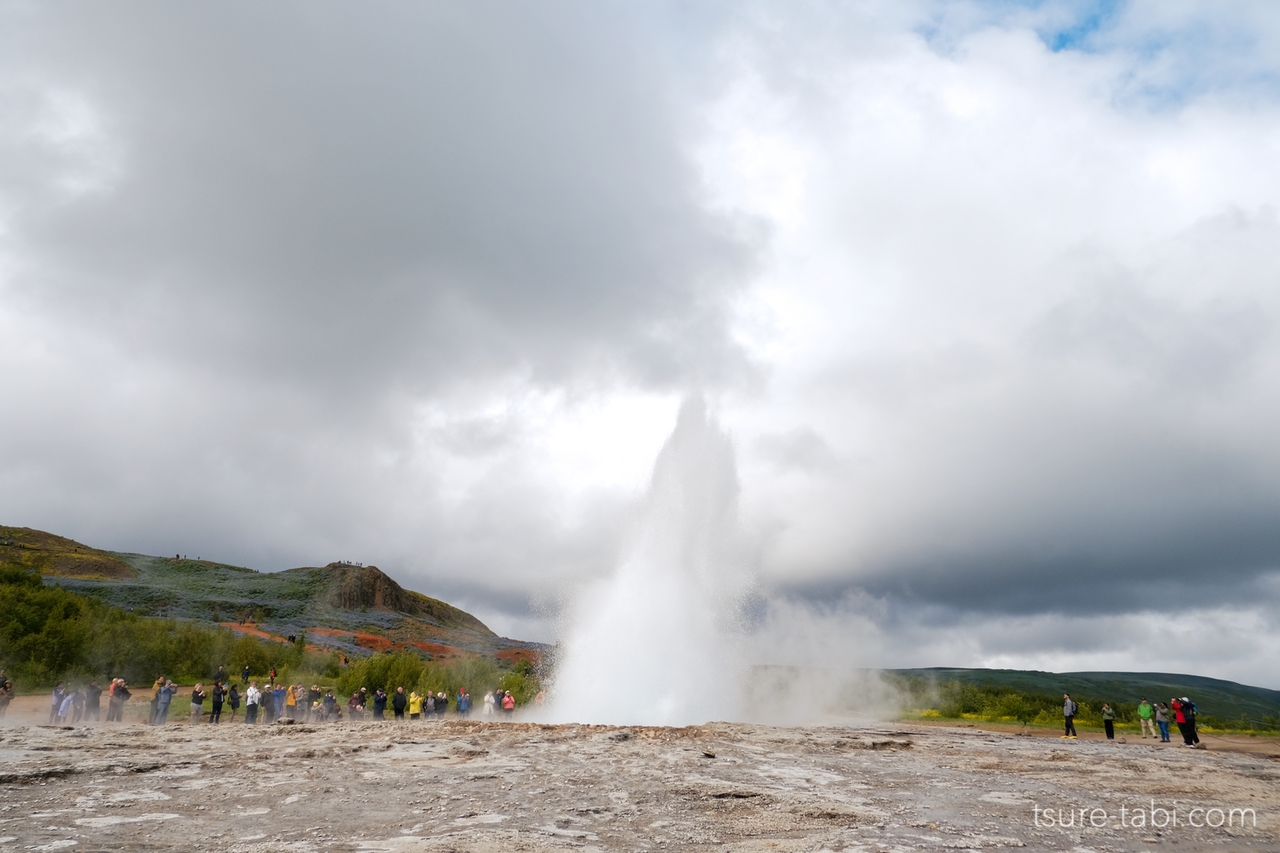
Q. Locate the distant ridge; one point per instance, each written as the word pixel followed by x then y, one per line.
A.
pixel 1213 696
pixel 351 609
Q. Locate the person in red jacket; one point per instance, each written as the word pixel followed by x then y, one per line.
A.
pixel 1182 714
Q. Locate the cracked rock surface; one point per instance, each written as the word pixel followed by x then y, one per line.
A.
pixel 472 786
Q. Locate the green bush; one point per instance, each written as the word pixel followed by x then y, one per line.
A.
pixel 956 699
pixel 408 670
pixel 44 632
pixel 48 634
pixel 385 671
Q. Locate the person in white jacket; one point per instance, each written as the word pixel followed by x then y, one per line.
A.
pixel 252 698
pixel 488 704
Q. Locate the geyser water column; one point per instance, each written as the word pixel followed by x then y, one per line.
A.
pixel 657 643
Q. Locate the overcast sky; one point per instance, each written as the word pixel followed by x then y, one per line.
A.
pixel 986 295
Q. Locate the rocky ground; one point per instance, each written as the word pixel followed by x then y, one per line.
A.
pixel 472 786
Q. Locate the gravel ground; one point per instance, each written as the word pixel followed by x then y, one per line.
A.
pixel 472 786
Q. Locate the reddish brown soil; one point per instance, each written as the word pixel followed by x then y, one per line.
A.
pixel 253 630
pixel 373 642
pixel 438 650
pixel 514 656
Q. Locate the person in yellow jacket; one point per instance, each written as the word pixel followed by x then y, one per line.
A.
pixel 291 703
pixel 415 706
pixel 155 700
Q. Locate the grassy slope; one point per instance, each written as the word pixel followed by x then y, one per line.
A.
pixel 55 555
pixel 355 608
pixel 1214 697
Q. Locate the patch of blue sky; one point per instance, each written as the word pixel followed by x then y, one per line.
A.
pixel 1086 19
pixel 1169 59
pixel 1060 24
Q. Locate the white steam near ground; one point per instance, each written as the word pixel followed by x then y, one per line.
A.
pixel 983 296
pixel 669 637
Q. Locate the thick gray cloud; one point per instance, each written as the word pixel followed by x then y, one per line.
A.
pixel 252 252
pixel 986 294
pixel 398 198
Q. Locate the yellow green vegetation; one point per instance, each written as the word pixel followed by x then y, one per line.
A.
pixel 57 556
pixel 958 700
pixel 477 674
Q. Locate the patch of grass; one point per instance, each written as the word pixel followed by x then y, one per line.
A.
pixel 959 700
pixel 52 555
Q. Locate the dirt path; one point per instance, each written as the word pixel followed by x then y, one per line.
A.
pixel 471 786
pixel 1262 745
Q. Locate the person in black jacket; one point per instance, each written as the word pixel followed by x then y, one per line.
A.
pixel 398 702
pixel 197 702
pixel 379 704
pixel 215 710
pixel 119 696
pixel 92 701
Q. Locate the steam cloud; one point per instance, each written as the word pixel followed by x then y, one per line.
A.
pixel 984 292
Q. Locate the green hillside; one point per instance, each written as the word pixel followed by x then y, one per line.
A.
pixel 353 610
pixel 1005 692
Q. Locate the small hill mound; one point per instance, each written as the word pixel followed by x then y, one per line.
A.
pixel 346 587
pixel 57 556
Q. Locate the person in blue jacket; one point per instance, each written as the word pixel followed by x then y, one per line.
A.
pixel 166 694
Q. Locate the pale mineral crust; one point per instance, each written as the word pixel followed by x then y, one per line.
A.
pixel 472 786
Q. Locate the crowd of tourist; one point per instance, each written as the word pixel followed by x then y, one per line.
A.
pixel 271 701
pixel 1150 717
pixel 274 700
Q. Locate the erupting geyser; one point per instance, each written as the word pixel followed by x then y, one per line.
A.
pixel 658 642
